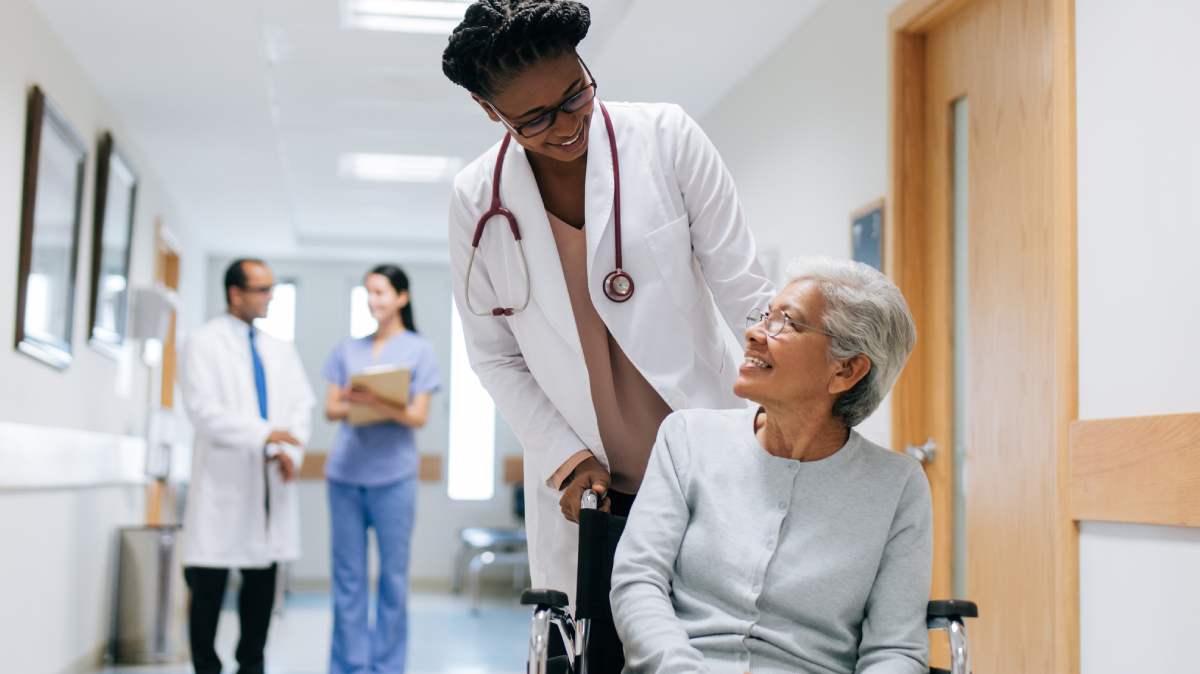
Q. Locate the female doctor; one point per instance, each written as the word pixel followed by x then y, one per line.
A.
pixel 587 249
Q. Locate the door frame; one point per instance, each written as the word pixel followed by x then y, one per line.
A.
pixel 919 258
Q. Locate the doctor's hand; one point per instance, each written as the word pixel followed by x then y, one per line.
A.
pixel 589 474
pixel 279 436
pixel 287 467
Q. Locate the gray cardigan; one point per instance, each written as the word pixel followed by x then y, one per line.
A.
pixel 735 560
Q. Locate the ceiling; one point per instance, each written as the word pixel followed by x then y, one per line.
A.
pixel 244 107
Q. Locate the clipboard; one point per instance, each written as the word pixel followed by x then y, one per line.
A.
pixel 387 382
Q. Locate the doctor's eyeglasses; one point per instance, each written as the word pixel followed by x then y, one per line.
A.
pixel 256 290
pixel 544 121
pixel 775 321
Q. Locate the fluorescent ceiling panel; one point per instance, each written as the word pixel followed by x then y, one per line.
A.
pixel 437 17
pixel 398 168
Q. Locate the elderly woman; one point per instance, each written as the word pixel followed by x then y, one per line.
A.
pixel 777 539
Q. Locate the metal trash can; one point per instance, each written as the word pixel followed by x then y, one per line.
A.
pixel 151 609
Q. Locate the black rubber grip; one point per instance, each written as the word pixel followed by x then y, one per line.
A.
pixel 952 608
pixel 544 598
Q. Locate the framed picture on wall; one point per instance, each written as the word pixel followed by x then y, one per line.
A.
pixel 866 234
pixel 50 212
pixel 112 234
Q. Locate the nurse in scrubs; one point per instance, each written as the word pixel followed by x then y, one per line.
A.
pixel 633 248
pixel 372 478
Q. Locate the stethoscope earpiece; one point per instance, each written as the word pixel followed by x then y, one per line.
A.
pixel 618 285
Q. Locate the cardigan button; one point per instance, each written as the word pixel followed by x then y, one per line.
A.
pixel 782 505
pixel 678 403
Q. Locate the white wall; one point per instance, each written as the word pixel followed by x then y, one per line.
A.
pixel 56 543
pixel 805 137
pixel 1138 97
pixel 1137 608
pixel 805 134
pixel 322 319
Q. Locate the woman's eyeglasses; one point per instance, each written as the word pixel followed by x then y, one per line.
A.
pixel 544 121
pixel 775 320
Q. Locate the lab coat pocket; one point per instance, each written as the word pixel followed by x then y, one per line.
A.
pixel 671 246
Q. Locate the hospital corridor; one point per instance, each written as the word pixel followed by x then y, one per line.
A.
pixel 599 336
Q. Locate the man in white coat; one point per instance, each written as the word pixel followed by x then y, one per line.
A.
pixel 247 395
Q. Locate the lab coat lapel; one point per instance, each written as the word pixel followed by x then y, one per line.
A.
pixel 521 196
pixel 598 190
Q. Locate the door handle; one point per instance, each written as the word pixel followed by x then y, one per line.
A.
pixel 924 453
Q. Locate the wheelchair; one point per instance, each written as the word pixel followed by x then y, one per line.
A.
pixel 590 639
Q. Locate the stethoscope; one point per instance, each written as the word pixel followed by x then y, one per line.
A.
pixel 618 285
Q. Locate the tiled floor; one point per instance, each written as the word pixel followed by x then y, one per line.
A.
pixel 444 637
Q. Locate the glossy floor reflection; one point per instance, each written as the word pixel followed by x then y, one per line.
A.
pixel 444 637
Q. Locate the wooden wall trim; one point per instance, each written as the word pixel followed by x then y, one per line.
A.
pixel 313 467
pixel 1142 470
pixel 429 468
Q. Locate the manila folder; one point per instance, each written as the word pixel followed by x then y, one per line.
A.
pixel 390 384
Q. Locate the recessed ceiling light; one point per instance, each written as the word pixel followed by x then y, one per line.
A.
pixel 406 16
pixel 398 168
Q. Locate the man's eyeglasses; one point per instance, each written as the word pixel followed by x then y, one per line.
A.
pixel 775 320
pixel 544 121
pixel 259 290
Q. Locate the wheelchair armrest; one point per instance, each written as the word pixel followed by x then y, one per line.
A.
pixel 952 608
pixel 544 598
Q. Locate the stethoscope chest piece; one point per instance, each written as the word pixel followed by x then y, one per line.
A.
pixel 618 286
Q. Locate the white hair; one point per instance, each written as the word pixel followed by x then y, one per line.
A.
pixel 866 314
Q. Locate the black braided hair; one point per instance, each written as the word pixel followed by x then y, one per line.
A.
pixel 497 39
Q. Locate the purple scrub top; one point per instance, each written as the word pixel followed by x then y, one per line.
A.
pixel 382 453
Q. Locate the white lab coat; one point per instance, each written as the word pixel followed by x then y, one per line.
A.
pixel 685 242
pixel 226 522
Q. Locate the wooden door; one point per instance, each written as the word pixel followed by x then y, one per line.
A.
pixel 1012 62
pixel 168 266
pixel 166 272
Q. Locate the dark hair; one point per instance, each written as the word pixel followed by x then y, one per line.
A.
pixel 497 39
pixel 235 275
pixel 399 281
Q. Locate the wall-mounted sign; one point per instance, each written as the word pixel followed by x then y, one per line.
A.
pixel 866 234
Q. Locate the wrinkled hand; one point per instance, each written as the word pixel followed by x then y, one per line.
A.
pixel 589 474
pixel 279 436
pixel 287 467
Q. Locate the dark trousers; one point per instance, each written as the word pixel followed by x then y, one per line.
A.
pixel 255 602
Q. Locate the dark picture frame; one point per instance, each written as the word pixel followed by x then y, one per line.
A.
pixel 112 239
pixel 51 206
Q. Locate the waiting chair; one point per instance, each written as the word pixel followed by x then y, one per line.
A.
pixel 482 546
pixel 590 638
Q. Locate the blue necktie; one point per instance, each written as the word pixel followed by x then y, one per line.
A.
pixel 260 377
